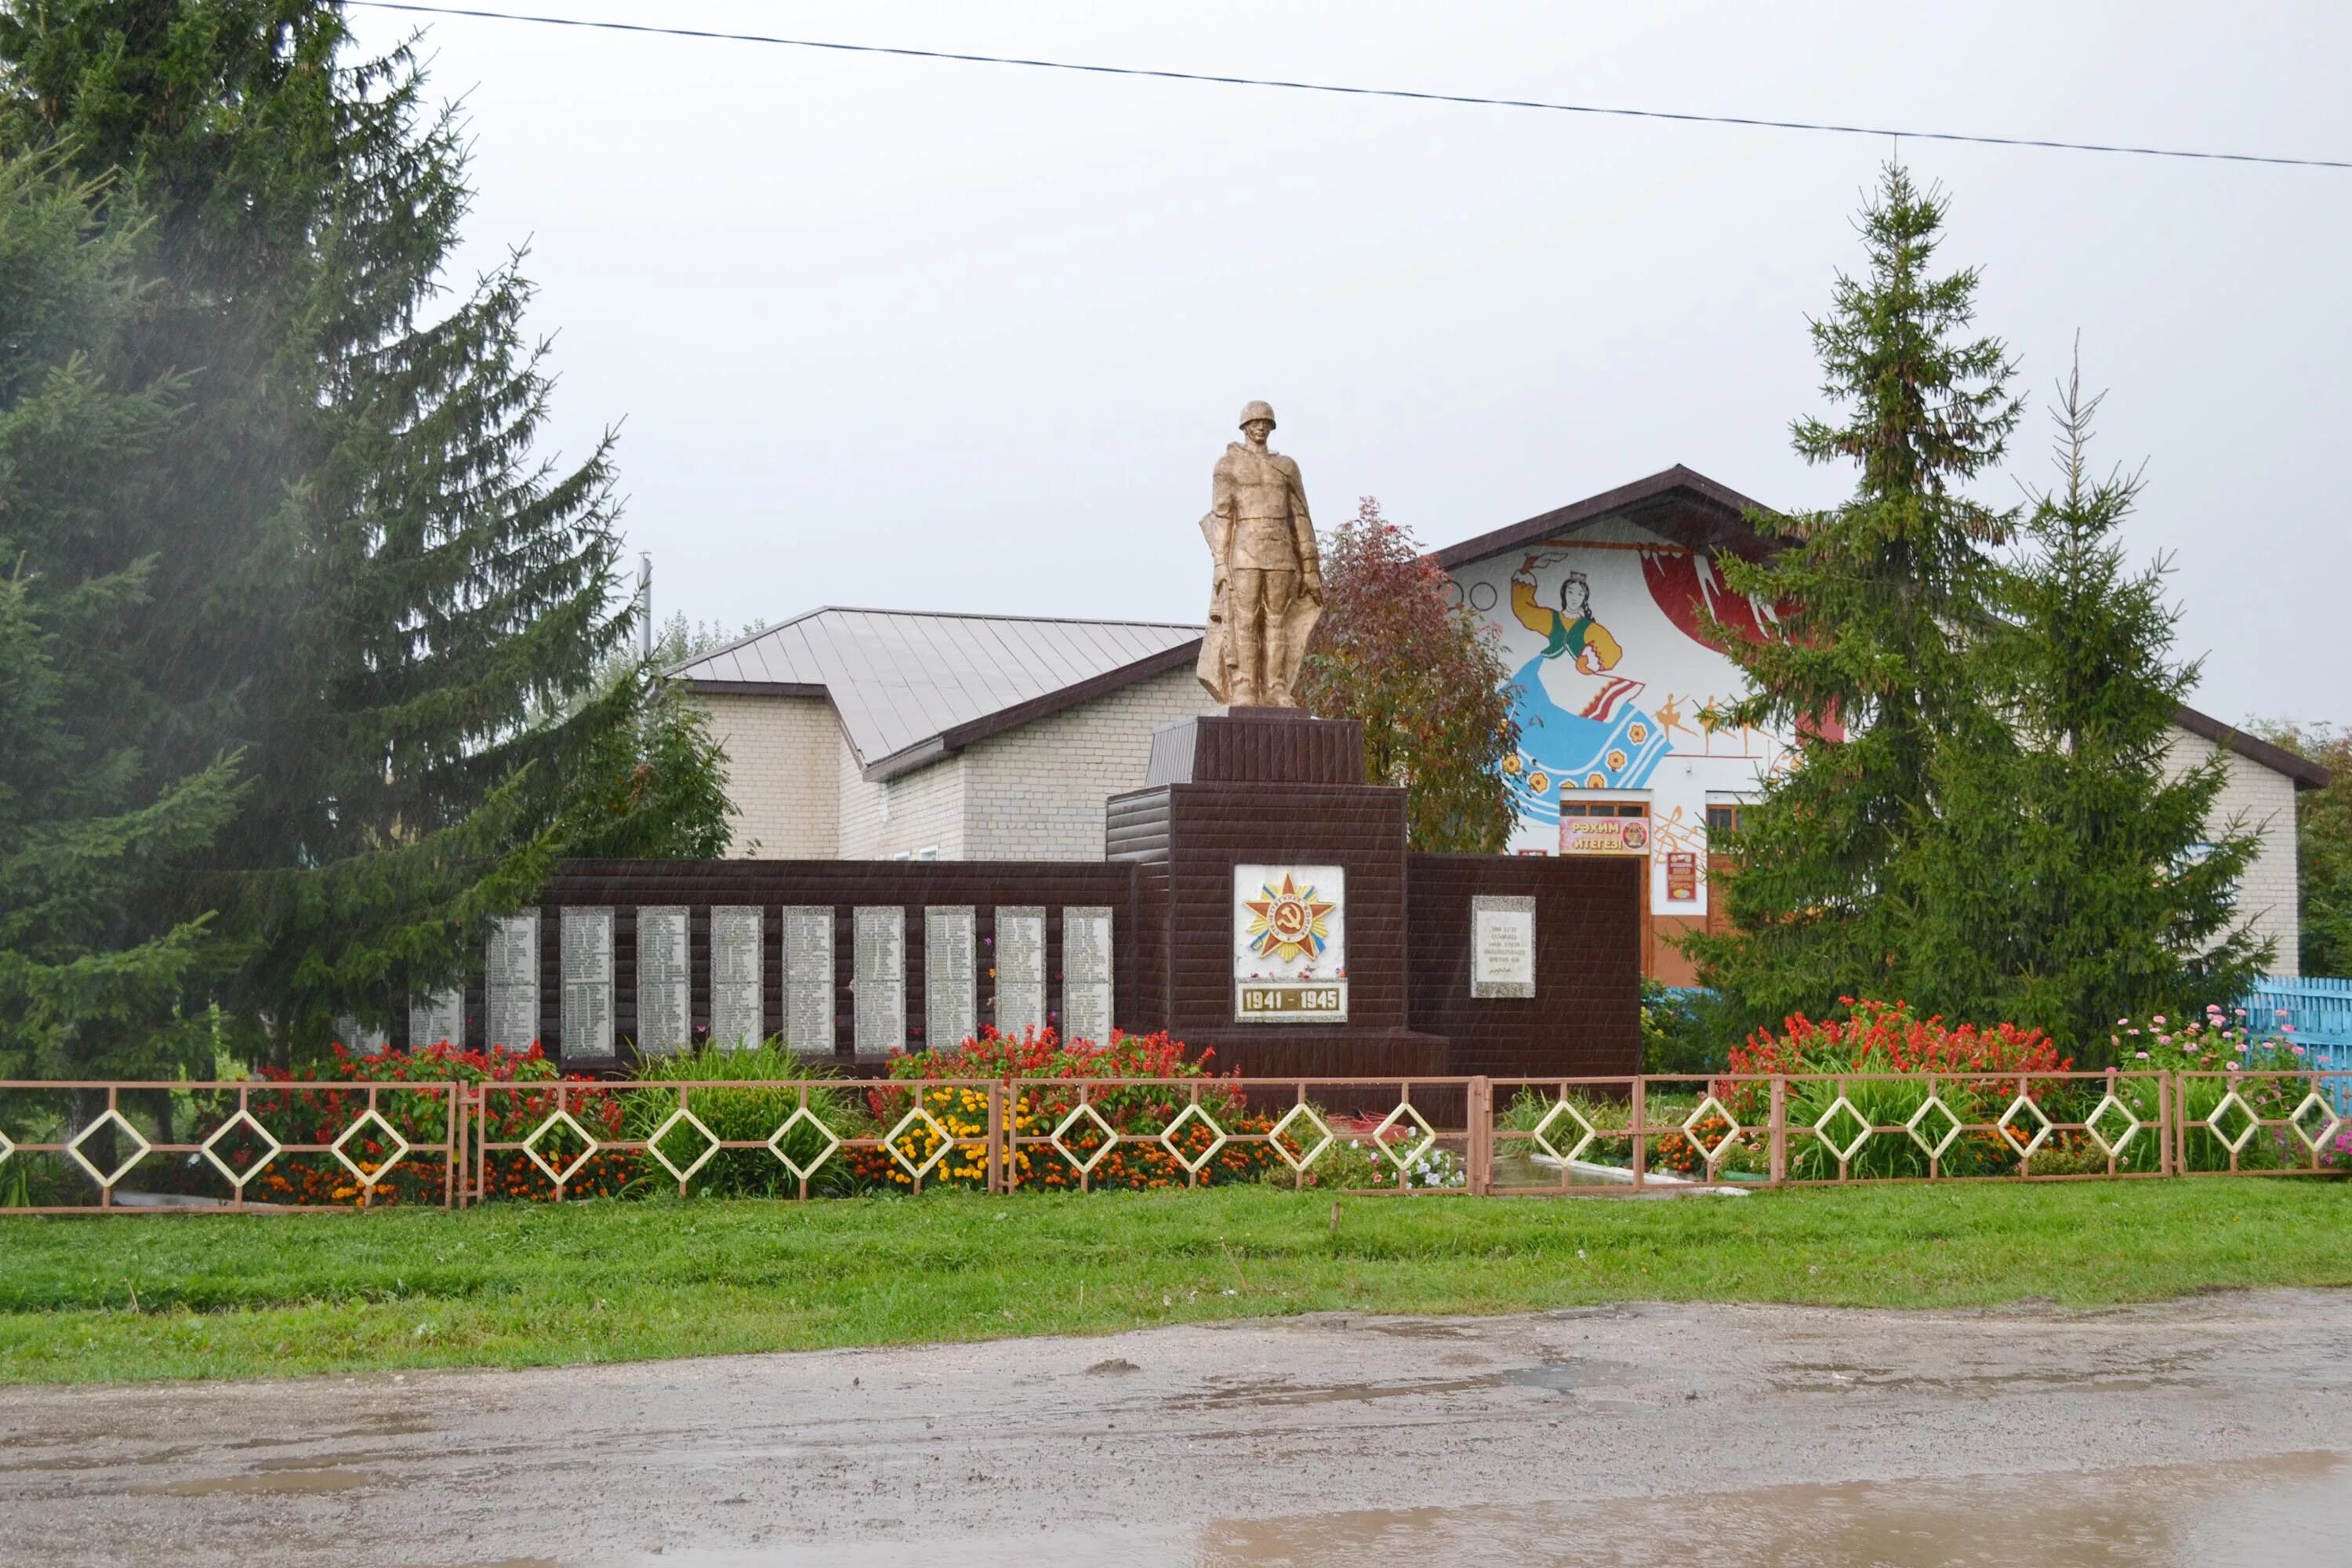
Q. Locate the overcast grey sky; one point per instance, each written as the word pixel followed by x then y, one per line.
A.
pixel 939 336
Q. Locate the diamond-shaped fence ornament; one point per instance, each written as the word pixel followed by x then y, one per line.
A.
pixel 2302 1122
pixel 1564 1110
pixel 1916 1122
pixel 7 1148
pixel 1084 1114
pixel 1321 1129
pixel 2111 1106
pixel 1705 1107
pixel 1842 1105
pixel 2019 1110
pixel 670 1123
pixel 236 1178
pixel 385 1132
pixel 1404 1151
pixel 139 1147
pixel 1217 1136
pixel 560 1119
pixel 913 1120
pixel 784 1135
pixel 2230 1102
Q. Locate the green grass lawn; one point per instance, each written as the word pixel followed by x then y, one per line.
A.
pixel 508 1285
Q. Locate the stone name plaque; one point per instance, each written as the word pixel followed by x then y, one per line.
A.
pixel 1020 968
pixel 664 980
pixel 951 994
pixel 436 1017
pixel 587 958
pixel 1086 974
pixel 808 979
pixel 737 955
pixel 510 982
pixel 881 968
pixel 1502 946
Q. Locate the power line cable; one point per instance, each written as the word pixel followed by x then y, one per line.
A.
pixel 1458 98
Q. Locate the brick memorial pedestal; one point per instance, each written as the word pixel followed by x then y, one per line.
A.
pixel 1271 922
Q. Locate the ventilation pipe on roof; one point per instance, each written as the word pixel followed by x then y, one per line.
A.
pixel 645 603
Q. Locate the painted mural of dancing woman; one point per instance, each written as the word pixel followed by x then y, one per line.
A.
pixel 1570 629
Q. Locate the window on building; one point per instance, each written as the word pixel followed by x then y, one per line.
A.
pixel 928 852
pixel 1605 809
pixel 1723 819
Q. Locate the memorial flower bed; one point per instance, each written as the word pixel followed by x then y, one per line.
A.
pixel 1978 1072
pixel 296 1117
pixel 2219 1053
pixel 1139 1114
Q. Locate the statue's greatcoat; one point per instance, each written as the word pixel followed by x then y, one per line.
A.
pixel 1259 522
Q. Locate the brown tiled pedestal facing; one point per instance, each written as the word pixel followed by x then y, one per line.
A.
pixel 1276 786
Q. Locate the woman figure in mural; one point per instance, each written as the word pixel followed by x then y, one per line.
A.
pixel 1570 629
pixel 1581 723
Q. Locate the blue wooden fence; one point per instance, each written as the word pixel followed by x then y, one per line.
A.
pixel 2321 1012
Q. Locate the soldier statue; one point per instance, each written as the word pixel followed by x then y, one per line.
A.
pixel 1268 589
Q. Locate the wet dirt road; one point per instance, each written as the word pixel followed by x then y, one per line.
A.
pixel 2212 1431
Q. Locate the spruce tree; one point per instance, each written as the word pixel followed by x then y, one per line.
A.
pixel 94 976
pixel 1884 598
pixel 377 590
pixel 2109 887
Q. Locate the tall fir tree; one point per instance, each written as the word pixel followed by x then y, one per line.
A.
pixel 1396 652
pixel 1884 601
pixel 2088 869
pixel 94 975
pixel 374 588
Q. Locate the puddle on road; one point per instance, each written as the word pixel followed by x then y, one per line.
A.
pixel 2295 1511
pixel 1557 1377
pixel 308 1479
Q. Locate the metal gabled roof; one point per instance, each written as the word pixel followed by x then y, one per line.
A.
pixel 911 687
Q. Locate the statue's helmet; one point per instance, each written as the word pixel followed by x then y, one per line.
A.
pixel 1257 410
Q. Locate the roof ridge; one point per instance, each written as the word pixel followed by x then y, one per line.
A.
pixel 991 616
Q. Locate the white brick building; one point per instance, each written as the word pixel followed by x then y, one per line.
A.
pixel 878 735
pixel 870 734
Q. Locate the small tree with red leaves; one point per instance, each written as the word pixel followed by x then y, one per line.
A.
pixel 1397 652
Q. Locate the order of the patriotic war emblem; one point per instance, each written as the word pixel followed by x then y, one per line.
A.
pixel 1289 944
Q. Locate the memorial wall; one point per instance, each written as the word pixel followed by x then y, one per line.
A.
pixel 841 959
pixel 1492 964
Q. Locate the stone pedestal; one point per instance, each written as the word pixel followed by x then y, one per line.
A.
pixel 1267 786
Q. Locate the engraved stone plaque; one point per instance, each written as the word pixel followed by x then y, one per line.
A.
pixel 1086 974
pixel 510 982
pixel 950 1000
pixel 664 980
pixel 737 955
pixel 808 978
pixel 587 1008
pixel 362 1038
pixel 1020 968
pixel 1502 946
pixel 436 1017
pixel 881 959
